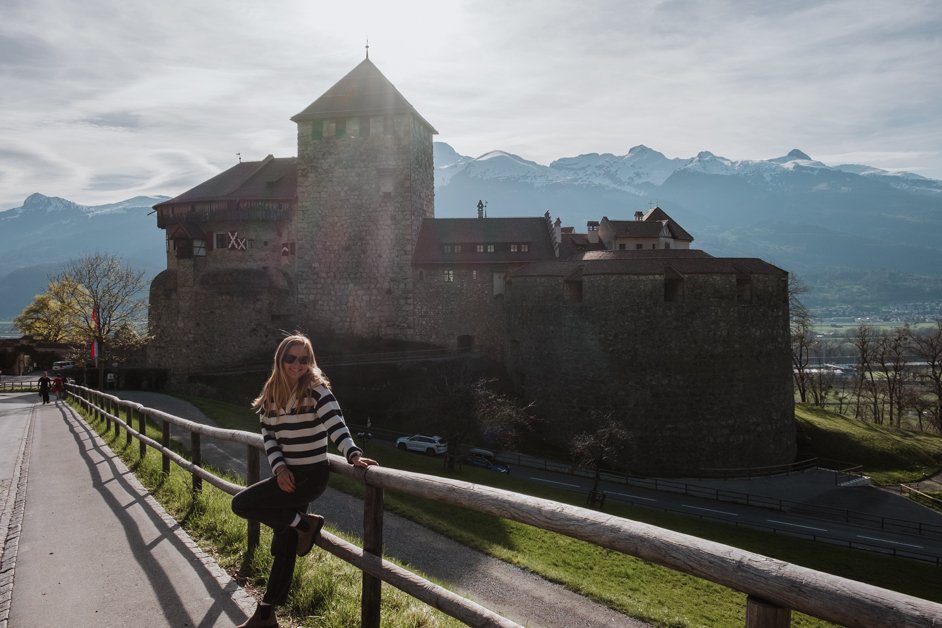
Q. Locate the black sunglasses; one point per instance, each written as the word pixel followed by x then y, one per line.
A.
pixel 289 358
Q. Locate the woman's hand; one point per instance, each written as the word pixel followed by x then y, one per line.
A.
pixel 359 461
pixel 285 479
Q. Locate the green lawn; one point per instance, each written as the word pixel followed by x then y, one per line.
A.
pixel 649 592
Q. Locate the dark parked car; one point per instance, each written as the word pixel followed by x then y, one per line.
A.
pixel 486 460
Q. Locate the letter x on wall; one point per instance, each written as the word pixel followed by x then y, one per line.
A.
pixel 235 242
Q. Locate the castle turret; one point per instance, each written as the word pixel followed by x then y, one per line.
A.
pixel 365 182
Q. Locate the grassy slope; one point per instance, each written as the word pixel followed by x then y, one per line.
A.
pixel 888 455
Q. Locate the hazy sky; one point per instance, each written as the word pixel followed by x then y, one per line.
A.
pixel 102 100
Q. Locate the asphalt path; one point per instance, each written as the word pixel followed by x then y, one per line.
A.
pixel 801 491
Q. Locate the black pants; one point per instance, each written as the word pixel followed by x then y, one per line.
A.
pixel 266 503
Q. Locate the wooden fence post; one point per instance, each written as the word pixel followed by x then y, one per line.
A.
pixel 197 459
pixel 142 428
pixel 372 543
pixel 116 413
pixel 762 614
pixel 129 419
pixel 252 476
pixel 165 441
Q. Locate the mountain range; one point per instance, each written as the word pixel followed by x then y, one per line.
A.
pixel 852 233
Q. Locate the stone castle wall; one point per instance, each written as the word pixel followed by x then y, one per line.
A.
pixel 466 306
pixel 361 202
pixel 704 382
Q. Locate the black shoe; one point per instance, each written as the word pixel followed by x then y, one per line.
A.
pixel 308 530
pixel 263 617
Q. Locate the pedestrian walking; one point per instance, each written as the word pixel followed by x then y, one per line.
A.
pixel 57 386
pixel 44 385
pixel 298 413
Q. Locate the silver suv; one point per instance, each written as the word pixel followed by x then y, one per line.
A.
pixel 431 445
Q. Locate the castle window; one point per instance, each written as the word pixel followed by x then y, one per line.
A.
pixel 519 248
pixel 376 125
pixel 199 248
pixel 448 276
pixel 352 127
pixel 446 248
pixel 673 286
pixel 479 248
pixel 572 291
pixel 457 248
pixel 499 283
pixel 329 128
pixel 743 288
pixel 221 240
pixel 183 248
pixel 621 246
pixel 317 130
pixel 524 248
pixel 474 274
pixel 490 248
pixel 364 127
pixel 340 129
pixel 639 246
pixel 513 248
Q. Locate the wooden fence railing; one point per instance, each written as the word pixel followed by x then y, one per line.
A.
pixel 773 587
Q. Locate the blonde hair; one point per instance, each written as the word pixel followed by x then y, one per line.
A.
pixel 277 391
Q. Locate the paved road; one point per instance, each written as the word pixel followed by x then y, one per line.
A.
pixel 84 544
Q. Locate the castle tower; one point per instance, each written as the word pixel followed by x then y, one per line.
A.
pixel 365 182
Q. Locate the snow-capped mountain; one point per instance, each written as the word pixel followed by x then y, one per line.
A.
pixel 793 211
pixel 643 168
pixel 40 237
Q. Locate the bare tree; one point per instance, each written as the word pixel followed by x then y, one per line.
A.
pixel 802 336
pixel 890 351
pixel 866 384
pixel 102 294
pixel 602 447
pixel 928 347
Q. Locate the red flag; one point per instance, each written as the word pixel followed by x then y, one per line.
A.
pixel 97 332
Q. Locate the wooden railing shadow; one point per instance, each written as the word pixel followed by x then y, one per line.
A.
pixel 773 587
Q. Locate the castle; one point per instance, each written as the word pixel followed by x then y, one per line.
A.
pixel 691 351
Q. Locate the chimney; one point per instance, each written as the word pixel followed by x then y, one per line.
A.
pixel 639 215
pixel 592 231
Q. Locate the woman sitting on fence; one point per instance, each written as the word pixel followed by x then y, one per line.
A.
pixel 298 413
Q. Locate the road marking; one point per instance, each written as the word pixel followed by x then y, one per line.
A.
pixel 872 538
pixel 785 523
pixel 552 482
pixel 722 512
pixel 647 499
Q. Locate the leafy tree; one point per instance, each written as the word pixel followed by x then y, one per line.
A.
pixel 94 298
pixel 49 318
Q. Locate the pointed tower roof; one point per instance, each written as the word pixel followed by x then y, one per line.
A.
pixel 364 91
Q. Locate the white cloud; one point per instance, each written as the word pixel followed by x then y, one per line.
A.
pixel 103 99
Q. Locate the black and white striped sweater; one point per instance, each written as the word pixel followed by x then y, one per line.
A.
pixel 298 435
